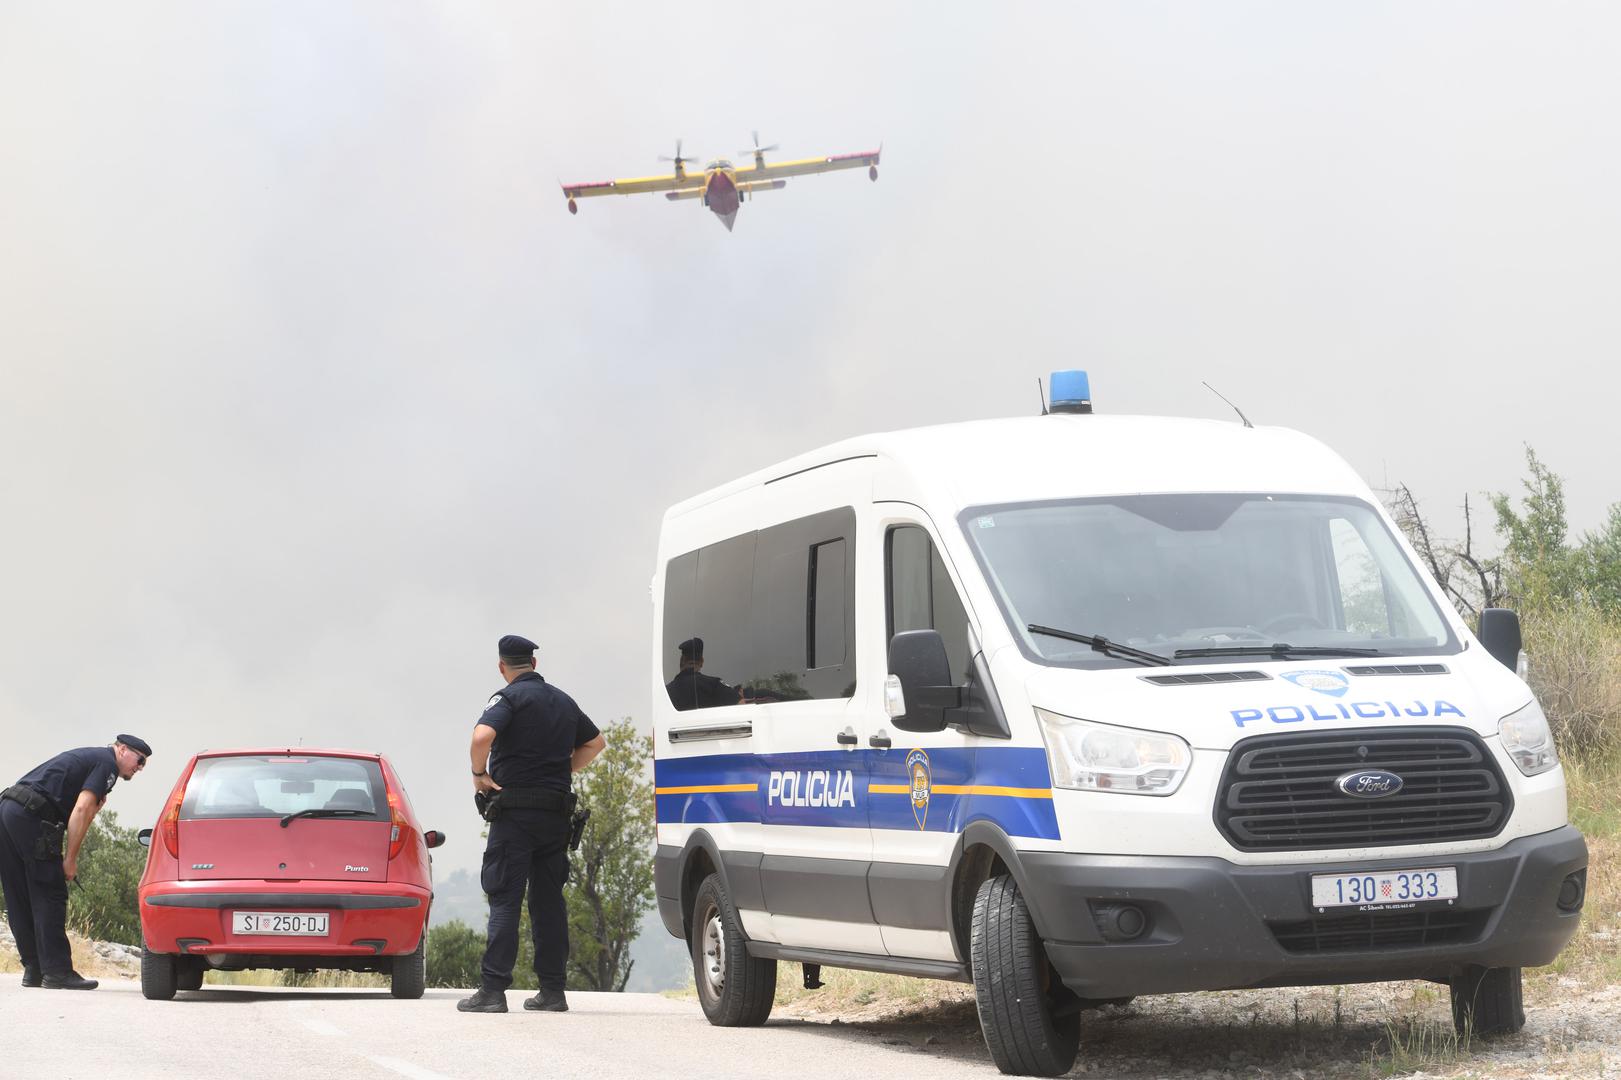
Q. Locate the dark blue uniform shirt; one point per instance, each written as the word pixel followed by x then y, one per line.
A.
pixel 537 728
pixel 89 768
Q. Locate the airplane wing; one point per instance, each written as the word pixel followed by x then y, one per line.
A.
pixel 808 166
pixel 634 186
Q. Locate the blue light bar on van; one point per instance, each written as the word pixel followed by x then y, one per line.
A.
pixel 1071 392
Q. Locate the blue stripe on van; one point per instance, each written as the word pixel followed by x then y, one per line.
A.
pixel 1009 786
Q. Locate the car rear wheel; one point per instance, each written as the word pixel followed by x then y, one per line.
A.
pixel 734 988
pixel 410 975
pixel 1487 1001
pixel 1030 1019
pixel 158 976
pixel 188 976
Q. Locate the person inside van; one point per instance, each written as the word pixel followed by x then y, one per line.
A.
pixel 691 688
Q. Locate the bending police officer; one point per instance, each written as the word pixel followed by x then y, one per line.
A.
pixel 43 821
pixel 527 744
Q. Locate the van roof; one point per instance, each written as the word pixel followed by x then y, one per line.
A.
pixel 984 462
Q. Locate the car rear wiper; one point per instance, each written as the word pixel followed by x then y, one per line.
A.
pixel 1103 645
pixel 1278 650
pixel 288 820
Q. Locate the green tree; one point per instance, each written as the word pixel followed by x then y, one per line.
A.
pixel 611 880
pixel 455 951
pixel 103 906
pixel 1540 567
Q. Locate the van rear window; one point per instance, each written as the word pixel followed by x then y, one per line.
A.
pixel 277 785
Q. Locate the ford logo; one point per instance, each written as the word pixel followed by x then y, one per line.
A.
pixel 1369 784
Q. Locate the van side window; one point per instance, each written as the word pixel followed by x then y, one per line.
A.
pixel 765 616
pixel 921 596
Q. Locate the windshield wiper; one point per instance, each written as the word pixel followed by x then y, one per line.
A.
pixel 1103 645
pixel 288 820
pixel 1278 650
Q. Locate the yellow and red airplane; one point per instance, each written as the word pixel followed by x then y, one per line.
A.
pixel 721 185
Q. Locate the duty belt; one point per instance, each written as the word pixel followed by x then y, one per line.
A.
pixel 33 802
pixel 537 799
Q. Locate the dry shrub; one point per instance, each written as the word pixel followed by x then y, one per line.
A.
pixel 1575 658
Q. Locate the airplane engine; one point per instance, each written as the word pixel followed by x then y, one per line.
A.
pixel 872 172
pixel 573 207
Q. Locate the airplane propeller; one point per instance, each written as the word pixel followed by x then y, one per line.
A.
pixel 680 162
pixel 758 149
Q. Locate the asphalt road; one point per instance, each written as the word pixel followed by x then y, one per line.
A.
pixel 250 1033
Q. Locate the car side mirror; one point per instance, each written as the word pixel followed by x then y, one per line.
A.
pixel 144 837
pixel 1499 632
pixel 918 659
pixel 433 838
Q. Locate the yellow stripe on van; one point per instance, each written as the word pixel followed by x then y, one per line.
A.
pixel 705 789
pixel 965 789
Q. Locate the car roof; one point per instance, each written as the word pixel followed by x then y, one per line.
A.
pixel 292 751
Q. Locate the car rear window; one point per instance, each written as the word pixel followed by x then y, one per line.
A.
pixel 278 785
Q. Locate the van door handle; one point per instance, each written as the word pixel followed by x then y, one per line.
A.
pixel 880 740
pixel 847 737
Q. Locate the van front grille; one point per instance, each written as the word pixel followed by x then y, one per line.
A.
pixel 1279 792
pixel 1380 930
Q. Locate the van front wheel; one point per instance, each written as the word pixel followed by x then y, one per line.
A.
pixel 1487 1001
pixel 734 988
pixel 1030 1019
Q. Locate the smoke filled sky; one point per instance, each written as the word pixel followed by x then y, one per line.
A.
pixel 310 387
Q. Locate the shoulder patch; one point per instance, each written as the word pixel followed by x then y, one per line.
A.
pixel 492 703
pixel 110 780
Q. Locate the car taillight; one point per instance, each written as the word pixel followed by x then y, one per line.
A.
pixel 399 830
pixel 169 827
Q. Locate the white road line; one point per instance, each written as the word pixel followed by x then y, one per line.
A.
pixel 405 1068
pixel 320 1027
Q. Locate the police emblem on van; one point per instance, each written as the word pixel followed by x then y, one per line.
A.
pixel 917 773
pixel 1369 784
pixel 1331 683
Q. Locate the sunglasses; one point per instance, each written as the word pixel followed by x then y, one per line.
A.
pixel 140 759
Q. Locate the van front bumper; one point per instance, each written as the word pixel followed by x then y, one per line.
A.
pixel 1208 924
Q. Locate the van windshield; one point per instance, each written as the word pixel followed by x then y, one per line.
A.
pixel 1204 571
pixel 276 785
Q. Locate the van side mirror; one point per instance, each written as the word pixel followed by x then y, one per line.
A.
pixel 144 837
pixel 918 659
pixel 1499 632
pixel 433 838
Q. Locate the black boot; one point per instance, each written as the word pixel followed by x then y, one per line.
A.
pixel 31 976
pixel 487 1001
pixel 547 1001
pixel 71 981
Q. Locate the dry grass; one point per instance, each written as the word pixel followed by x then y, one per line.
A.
pixel 1575 669
pixel 85 962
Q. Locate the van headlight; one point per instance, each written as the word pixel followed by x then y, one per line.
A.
pixel 1099 757
pixel 1528 740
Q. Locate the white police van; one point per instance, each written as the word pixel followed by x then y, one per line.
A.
pixel 1079 707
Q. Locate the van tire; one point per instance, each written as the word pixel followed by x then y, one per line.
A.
pixel 1487 1001
pixel 410 973
pixel 189 976
pixel 741 991
pixel 158 976
pixel 1031 1021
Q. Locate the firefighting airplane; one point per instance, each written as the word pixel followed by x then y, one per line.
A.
pixel 723 186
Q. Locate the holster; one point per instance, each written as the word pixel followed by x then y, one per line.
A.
pixel 488 804
pixel 52 839
pixel 576 827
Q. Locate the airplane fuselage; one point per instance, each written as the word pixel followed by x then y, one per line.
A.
pixel 722 196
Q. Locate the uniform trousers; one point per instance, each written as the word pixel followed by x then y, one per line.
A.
pixel 36 893
pixel 527 848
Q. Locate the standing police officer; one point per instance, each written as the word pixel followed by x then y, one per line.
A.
pixel 527 745
pixel 53 805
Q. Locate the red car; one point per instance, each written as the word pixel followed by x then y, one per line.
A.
pixel 301 859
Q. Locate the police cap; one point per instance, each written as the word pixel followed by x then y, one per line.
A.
pixel 136 744
pixel 513 647
pixel 692 648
